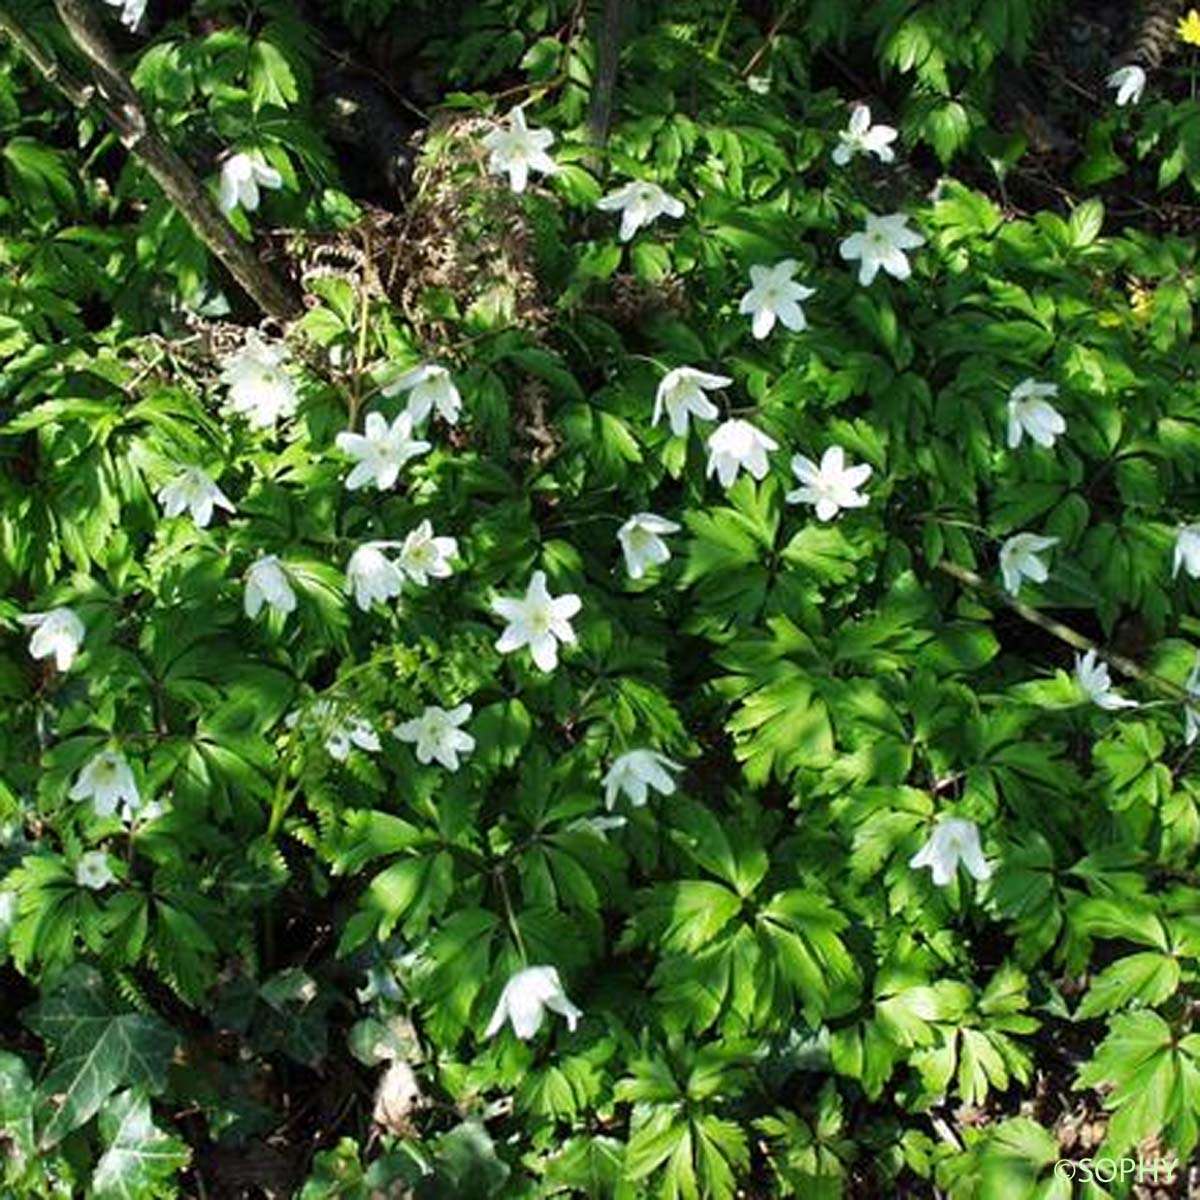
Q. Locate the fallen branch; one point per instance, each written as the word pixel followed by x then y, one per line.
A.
pixel 113 95
pixel 1064 633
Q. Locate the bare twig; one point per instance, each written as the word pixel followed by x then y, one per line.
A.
pixel 768 41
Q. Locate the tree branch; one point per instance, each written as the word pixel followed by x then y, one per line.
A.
pixel 112 93
pixel 1064 633
pixel 608 55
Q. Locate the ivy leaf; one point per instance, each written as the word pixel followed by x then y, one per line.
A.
pixel 16 1111
pixel 139 1156
pixel 95 1051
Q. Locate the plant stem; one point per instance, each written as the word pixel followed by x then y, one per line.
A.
pixel 498 872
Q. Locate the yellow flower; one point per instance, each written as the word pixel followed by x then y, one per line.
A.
pixel 1189 28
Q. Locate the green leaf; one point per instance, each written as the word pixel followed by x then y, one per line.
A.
pixel 1085 223
pixel 138 1157
pixel 272 80
pixel 95 1051
pixel 1147 977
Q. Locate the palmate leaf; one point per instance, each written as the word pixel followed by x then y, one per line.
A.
pixel 1152 1081
pixel 139 1155
pixel 780 728
pixel 95 1051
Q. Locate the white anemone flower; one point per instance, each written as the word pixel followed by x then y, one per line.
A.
pixel 1129 83
pixel 1191 712
pixel 424 555
pixel 881 246
pixel 639 204
pixel 537 620
pixel 954 841
pixel 1092 676
pixel 636 773
pixel 681 395
pixel 738 445
pixel 515 150
pixel 193 490
pixel 380 450
pixel 1030 412
pixel 526 997
pixel 831 486
pixel 641 539
pixel 267 583
pixel 8 911
pixel 260 389
pixel 775 295
pixel 437 735
pixel 342 730
pixel 93 871
pixel 430 388
pixel 861 137
pixel 1019 560
pixel 57 633
pixel 1187 551
pixel 241 177
pixel 107 781
pixel 371 576
pixel 132 11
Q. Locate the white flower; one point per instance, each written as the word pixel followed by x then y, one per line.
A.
pixel 424 555
pixel 437 735
pixel 517 150
pixel 241 177
pixel 8 911
pixel 681 395
pixel 525 998
pixel 737 444
pixel 831 486
pixel 861 137
pixel 639 204
pixel 1092 676
pixel 92 871
pixel 380 451
pixel 537 620
pixel 107 780
pixel 953 841
pixel 1019 559
pixel 194 490
pixel 642 544
pixel 1129 83
pixel 429 388
pixel 342 730
pixel 636 773
pixel 1029 412
pixel 882 245
pixel 1191 713
pixel 58 632
pixel 372 576
pixel 774 294
pixel 259 387
pixel 267 583
pixel 132 11
pixel 1187 550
